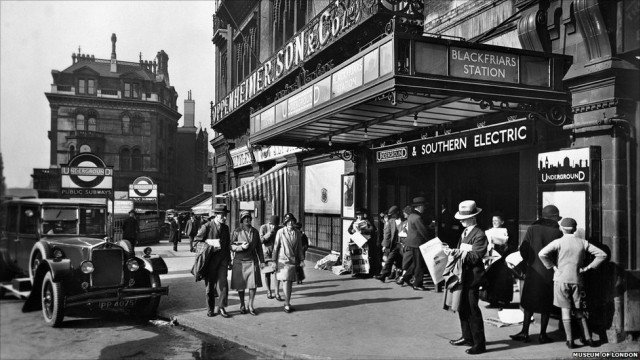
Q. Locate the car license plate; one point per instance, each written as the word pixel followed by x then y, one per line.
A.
pixel 104 305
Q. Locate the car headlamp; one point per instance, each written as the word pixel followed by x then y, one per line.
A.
pixel 87 267
pixel 147 251
pixel 132 265
pixel 57 254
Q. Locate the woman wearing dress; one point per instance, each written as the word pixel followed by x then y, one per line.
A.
pixel 247 261
pixel 288 254
pixel 499 279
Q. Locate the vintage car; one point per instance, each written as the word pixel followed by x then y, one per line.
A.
pixel 62 247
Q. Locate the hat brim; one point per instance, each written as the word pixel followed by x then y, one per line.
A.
pixel 462 217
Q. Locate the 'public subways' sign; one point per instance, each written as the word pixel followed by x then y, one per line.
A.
pixel 86 175
pixel 487 138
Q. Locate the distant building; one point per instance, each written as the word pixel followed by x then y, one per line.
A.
pixel 192 155
pixel 124 112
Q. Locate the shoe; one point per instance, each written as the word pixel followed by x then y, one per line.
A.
pixel 288 309
pixel 544 339
pixel 243 310
pixel 461 342
pixel 520 337
pixel 279 298
pixel 224 313
pixel 252 311
pixel 475 351
pixel 571 345
pixel 269 295
pixel 380 277
pixel 589 342
pixel 419 288
pixel 211 313
pixel 392 276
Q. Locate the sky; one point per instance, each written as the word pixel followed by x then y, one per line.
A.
pixel 37 37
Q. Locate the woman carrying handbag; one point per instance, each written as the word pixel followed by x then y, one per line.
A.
pixel 288 255
pixel 247 262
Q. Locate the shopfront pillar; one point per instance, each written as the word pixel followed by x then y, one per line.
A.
pixel 295 203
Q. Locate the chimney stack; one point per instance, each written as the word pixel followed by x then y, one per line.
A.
pixel 114 62
pixel 189 111
pixel 163 67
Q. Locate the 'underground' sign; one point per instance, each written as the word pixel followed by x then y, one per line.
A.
pixel 143 189
pixel 86 175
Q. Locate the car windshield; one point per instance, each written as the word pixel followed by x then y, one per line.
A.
pixel 73 221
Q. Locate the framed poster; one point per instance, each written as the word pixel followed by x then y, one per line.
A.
pixel 348 195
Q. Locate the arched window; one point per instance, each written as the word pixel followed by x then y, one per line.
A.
pixel 80 123
pixel 126 125
pixel 136 159
pixel 92 124
pixel 136 125
pixel 125 159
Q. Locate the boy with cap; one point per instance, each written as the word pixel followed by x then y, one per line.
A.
pixel 566 255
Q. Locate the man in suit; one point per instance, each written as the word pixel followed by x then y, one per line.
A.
pixel 191 230
pixel 472 247
pixel 215 279
pixel 418 233
pixel 130 229
pixel 390 245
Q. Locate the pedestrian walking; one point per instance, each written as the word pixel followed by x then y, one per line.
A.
pixel 499 279
pixel 391 247
pixel 174 233
pixel 472 247
pixel 248 259
pixel 191 230
pixel 130 229
pixel 305 246
pixel 402 238
pixel 566 256
pixel 287 252
pixel 268 233
pixel 537 292
pixel 418 233
pixel 215 234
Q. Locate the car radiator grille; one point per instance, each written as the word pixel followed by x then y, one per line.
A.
pixel 108 267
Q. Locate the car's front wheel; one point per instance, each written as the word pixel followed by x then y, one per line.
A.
pixel 52 301
pixel 148 308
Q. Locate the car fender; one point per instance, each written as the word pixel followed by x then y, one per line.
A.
pixel 58 268
pixel 154 264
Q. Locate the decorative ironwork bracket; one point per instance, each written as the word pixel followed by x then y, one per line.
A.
pixel 393 96
pixel 555 115
pixel 346 155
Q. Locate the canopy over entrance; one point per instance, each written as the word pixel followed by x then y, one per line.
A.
pixel 404 83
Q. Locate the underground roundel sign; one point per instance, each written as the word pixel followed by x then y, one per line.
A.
pixel 86 175
pixel 143 189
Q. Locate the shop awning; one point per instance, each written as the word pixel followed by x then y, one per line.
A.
pixel 402 84
pixel 203 207
pixel 267 186
pixel 193 201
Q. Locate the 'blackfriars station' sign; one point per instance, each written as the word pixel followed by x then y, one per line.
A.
pixel 487 138
pixel 331 24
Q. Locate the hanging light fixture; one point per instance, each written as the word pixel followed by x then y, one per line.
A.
pixel 330 143
pixel 415 119
pixel 366 135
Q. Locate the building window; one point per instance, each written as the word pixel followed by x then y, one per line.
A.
pixel 289 16
pixel 136 126
pixel 80 123
pixel 136 91
pixel 92 124
pixel 81 86
pixel 125 159
pixel 127 90
pixel 126 125
pixel 91 86
pixel 136 159
pixel 84 148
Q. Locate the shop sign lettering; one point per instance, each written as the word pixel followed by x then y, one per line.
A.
pixel 487 138
pixel 483 65
pixel 565 166
pixel 338 18
pixel 273 152
pixel 240 157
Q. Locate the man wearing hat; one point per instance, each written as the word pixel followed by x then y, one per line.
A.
pixel 390 243
pixel 537 292
pixel 417 234
pixel 130 229
pixel 566 256
pixel 191 230
pixel 268 233
pixel 215 233
pixel 472 247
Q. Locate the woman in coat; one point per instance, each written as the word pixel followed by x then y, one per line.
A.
pixel 247 261
pixel 288 255
pixel 498 276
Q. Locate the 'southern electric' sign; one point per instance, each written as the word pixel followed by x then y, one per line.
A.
pixel 502 135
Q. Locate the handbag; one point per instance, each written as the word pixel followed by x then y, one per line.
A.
pixel 299 273
pixel 270 267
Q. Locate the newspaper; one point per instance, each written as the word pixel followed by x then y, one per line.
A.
pixel 435 258
pixel 359 239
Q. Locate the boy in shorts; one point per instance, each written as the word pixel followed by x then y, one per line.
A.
pixel 565 255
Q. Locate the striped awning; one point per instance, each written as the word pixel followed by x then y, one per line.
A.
pixel 267 186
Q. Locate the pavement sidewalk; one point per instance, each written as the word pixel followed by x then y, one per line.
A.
pixel 339 317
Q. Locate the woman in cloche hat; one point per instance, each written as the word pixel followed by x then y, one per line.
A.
pixel 287 254
pixel 247 262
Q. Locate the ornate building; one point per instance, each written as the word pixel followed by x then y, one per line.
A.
pixel 124 112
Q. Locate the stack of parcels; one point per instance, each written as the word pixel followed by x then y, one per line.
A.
pixel 435 258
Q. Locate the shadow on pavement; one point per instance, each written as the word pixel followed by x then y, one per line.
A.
pixel 328 305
